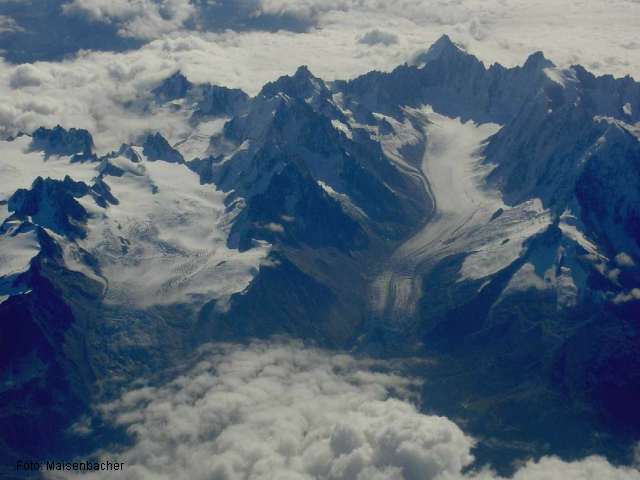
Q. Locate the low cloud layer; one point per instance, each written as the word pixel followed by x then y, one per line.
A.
pixel 282 411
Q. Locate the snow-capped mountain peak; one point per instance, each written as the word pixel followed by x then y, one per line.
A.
pixel 443 48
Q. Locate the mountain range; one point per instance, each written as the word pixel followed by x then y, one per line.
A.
pixel 480 225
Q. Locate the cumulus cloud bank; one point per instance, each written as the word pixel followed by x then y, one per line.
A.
pixel 282 411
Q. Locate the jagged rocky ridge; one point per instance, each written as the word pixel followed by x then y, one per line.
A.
pixel 321 211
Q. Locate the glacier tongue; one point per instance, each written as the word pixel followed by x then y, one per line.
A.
pixel 468 218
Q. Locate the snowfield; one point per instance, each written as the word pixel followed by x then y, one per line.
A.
pixel 165 242
pixel 20 167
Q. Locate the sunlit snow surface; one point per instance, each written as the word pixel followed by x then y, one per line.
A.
pixel 196 144
pixel 16 251
pixel 19 167
pixel 163 243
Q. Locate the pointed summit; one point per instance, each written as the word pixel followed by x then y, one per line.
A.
pixel 173 87
pixel 444 47
pixel 303 84
pixel 537 61
pixel 443 42
pixel 303 72
pixel 217 101
pixel 156 147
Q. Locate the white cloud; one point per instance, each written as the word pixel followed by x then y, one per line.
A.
pixel 624 260
pixel 144 19
pixel 553 468
pixel 8 25
pixel 305 9
pixel 378 37
pixel 568 31
pixel 28 75
pixel 280 407
pixel 632 295
pixel 91 90
pixel 274 227
pixel 282 411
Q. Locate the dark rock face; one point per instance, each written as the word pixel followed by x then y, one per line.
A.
pixel 295 210
pixel 502 347
pixel 156 147
pixel 600 362
pixel 308 88
pixel 607 96
pixel 208 100
pixel 52 204
pixel 175 87
pixel 300 307
pixel 299 134
pixel 608 190
pixel 127 152
pixel 570 144
pixel 43 355
pixel 303 84
pixel 74 142
pixel 218 101
pixel 204 167
pixel 567 150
